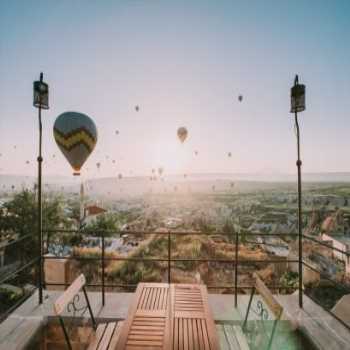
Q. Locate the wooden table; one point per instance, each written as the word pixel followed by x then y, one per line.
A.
pixel 164 316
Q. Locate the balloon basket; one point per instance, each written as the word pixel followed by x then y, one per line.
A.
pixel 76 173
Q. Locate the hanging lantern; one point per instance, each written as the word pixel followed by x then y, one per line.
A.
pixel 297 96
pixel 41 94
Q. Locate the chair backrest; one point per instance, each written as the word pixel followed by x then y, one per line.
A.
pixel 261 310
pixel 70 302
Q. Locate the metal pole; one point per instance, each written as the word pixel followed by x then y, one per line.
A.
pixel 40 223
pixel 236 268
pixel 169 258
pixel 300 235
pixel 103 268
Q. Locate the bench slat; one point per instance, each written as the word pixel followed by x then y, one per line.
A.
pixel 101 328
pixel 268 297
pixel 116 335
pixel 63 300
pixel 106 339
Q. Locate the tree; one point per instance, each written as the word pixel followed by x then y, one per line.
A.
pixel 229 230
pixel 106 223
pixel 19 216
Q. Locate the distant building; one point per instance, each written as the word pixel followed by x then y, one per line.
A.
pixel 91 213
pixel 340 242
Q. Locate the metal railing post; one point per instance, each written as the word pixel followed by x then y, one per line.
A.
pixel 169 258
pixel 39 210
pixel 236 268
pixel 103 268
pixel 300 223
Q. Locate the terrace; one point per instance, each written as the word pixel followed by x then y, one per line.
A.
pixel 28 319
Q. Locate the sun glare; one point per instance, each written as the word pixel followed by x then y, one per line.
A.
pixel 172 156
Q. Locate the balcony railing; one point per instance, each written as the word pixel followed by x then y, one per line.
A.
pixel 60 239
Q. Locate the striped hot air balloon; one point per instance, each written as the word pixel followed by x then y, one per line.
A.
pixel 76 136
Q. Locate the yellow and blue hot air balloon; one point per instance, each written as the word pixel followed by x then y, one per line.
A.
pixel 76 136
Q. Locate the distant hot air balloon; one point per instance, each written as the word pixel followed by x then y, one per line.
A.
pixel 153 171
pixel 240 98
pixel 113 161
pixel 117 132
pixel 13 187
pixel 229 154
pixel 185 175
pixel 76 136
pixel 213 187
pixel 175 188
pixel 120 176
pixel 98 165
pixel 137 108
pixel 160 171
pixel 27 162
pixel 196 153
pixel 232 184
pixel 182 133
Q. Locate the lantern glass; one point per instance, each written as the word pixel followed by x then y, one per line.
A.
pixel 297 98
pixel 41 95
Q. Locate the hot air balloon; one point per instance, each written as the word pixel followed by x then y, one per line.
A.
pixel 27 162
pixel 120 176
pixel 240 98
pixel 229 154
pixel 117 132
pixel 98 165
pixel 213 187
pixel 153 171
pixel 76 136
pixel 185 175
pixel 232 184
pixel 160 171
pixel 137 108
pixel 182 133
pixel 196 153
pixel 175 188
pixel 113 161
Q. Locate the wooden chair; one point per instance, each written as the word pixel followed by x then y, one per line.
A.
pixel 237 336
pixel 104 336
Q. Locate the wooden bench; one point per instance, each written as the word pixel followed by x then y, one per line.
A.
pixel 166 317
pixel 235 336
pixel 104 336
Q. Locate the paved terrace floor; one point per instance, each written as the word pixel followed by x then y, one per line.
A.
pixel 326 332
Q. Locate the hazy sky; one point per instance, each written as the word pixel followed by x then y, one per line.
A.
pixel 184 63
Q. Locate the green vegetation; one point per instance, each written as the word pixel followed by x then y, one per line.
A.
pixel 106 223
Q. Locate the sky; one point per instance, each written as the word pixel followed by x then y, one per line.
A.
pixel 184 63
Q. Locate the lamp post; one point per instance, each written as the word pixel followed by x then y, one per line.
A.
pixel 298 105
pixel 40 101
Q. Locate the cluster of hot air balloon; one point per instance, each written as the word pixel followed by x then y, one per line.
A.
pixel 76 136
